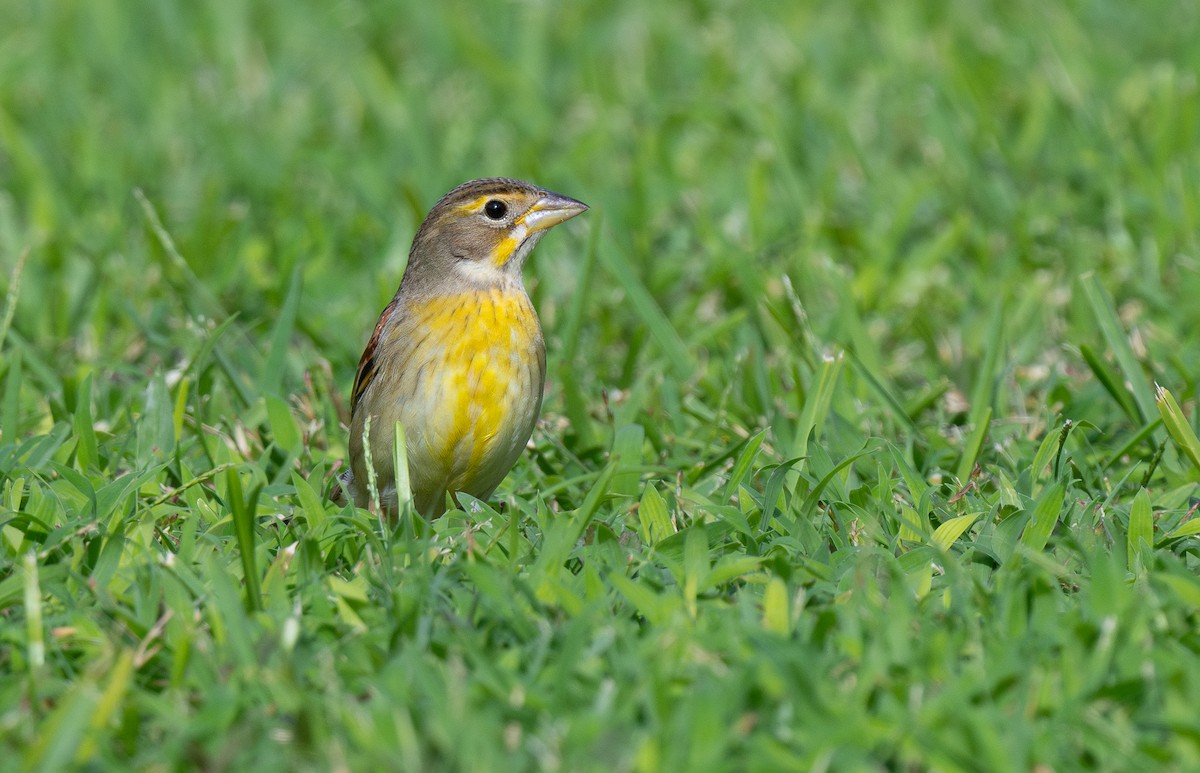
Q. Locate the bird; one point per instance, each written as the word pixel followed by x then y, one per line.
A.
pixel 457 357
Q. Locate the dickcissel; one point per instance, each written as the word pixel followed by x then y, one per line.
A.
pixel 457 357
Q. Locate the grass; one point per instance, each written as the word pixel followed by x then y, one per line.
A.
pixel 851 458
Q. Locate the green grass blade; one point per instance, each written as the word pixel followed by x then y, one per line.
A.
pixel 948 532
pixel 243 511
pixel 35 639
pixel 817 406
pixel 1118 341
pixel 776 484
pixel 913 481
pixel 627 455
pixel 1140 540
pixel 10 419
pixel 63 732
pixel 741 467
pixel 284 430
pixel 11 295
pixel 1045 515
pixel 973 446
pixel 180 412
pixel 87 454
pixel 1177 425
pixel 1112 383
pixel 401 473
pixel 776 618
pixel 273 373
pixel 885 391
pixel 311 505
pixel 195 293
pixel 654 525
pixel 1041 460
pixel 983 390
pixel 1136 439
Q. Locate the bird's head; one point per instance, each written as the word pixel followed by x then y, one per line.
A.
pixel 482 232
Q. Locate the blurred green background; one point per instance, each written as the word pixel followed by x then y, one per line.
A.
pixel 912 162
pixel 926 232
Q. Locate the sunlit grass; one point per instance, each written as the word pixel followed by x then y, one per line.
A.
pixel 851 456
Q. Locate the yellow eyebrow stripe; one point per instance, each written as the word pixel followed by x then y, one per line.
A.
pixel 475 204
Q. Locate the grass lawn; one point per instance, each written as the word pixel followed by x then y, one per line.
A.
pixel 851 455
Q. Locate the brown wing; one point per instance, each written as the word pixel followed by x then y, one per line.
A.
pixel 366 364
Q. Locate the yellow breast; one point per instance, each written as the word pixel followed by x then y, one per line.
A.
pixel 471 367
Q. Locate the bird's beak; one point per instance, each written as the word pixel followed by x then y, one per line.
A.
pixel 550 210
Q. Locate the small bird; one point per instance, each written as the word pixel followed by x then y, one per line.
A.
pixel 457 357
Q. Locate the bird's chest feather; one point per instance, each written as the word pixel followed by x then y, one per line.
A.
pixel 482 357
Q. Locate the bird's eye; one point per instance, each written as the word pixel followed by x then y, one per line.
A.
pixel 495 209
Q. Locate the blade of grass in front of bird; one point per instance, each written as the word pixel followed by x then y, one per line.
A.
pixel 369 465
pixel 1177 425
pixel 1118 341
pixel 406 509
